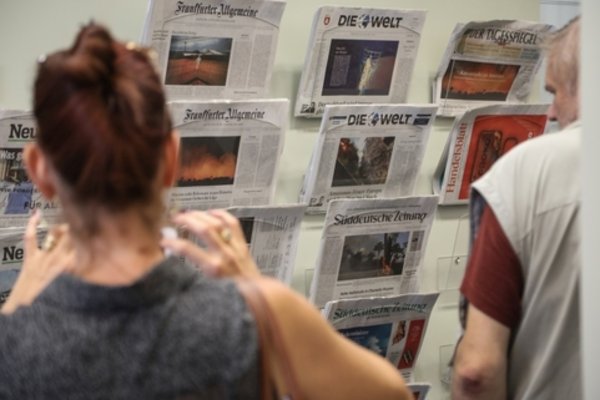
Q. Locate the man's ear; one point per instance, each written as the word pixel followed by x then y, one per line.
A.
pixel 171 157
pixel 38 170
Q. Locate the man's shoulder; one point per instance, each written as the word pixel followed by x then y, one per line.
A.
pixel 563 143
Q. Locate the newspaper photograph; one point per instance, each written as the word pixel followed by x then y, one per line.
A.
pixel 491 62
pixel 393 327
pixel 419 390
pixel 229 152
pixel 477 140
pixel 367 152
pixel 372 248
pixel 358 56
pixel 214 48
pixel 272 236
pixel 18 196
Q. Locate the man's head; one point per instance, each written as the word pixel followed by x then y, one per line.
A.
pixel 562 74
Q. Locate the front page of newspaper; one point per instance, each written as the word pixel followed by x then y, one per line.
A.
pixel 358 55
pixel 477 140
pixel 18 196
pixel 214 48
pixel 367 151
pixel 393 327
pixel 229 152
pixel 272 236
pixel 419 390
pixel 372 248
pixel 489 62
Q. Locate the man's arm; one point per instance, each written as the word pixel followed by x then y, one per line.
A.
pixel 481 359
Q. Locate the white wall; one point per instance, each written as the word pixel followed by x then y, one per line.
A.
pixel 29 28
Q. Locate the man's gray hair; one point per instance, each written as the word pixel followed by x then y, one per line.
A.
pixel 563 54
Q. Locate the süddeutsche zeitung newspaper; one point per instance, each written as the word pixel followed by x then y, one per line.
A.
pixel 18 196
pixel 358 55
pixel 393 327
pixel 272 236
pixel 214 48
pixel 477 140
pixel 229 152
pixel 367 151
pixel 489 62
pixel 372 248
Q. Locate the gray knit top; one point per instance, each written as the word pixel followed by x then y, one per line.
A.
pixel 171 335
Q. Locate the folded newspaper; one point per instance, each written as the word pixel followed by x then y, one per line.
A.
pixel 393 327
pixel 18 196
pixel 272 236
pixel 489 62
pixel 477 140
pixel 367 151
pixel 358 55
pixel 229 152
pixel 419 390
pixel 214 48
pixel 372 248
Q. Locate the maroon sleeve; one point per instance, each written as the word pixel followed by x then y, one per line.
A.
pixel 493 279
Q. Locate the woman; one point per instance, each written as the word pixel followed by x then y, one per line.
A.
pixel 100 311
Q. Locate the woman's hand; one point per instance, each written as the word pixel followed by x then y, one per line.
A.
pixel 225 252
pixel 40 265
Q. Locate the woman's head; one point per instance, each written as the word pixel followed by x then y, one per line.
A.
pixel 103 123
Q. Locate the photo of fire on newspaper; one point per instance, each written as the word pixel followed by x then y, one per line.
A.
pixel 362 161
pixel 374 338
pixel 468 80
pixel 359 67
pixel 17 189
pixel 372 256
pixel 198 61
pixel 208 161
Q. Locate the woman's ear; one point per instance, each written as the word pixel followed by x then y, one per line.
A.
pixel 171 157
pixel 38 170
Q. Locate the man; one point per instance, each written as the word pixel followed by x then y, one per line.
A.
pixel 520 305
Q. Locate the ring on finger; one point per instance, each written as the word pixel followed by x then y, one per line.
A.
pixel 49 242
pixel 225 234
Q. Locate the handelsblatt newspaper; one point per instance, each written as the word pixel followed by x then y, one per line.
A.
pixel 490 62
pixel 214 48
pixel 358 55
pixel 367 151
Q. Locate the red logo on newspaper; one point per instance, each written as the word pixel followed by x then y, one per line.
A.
pixel 326 20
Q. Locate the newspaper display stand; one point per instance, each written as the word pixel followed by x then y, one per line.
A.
pixel 358 55
pixel 18 196
pixel 367 151
pixel 229 152
pixel 272 236
pixel 477 140
pixel 372 248
pixel 393 327
pixel 485 63
pixel 214 49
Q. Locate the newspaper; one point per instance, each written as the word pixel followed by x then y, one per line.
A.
pixel 18 196
pixel 358 55
pixel 393 327
pixel 489 62
pixel 272 236
pixel 214 48
pixel 229 152
pixel 367 151
pixel 372 248
pixel 477 140
pixel 419 390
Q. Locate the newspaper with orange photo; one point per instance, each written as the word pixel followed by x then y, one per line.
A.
pixel 491 62
pixel 229 152
pixel 372 248
pixel 214 48
pixel 272 236
pixel 367 151
pixel 477 140
pixel 393 326
pixel 18 196
pixel 358 55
